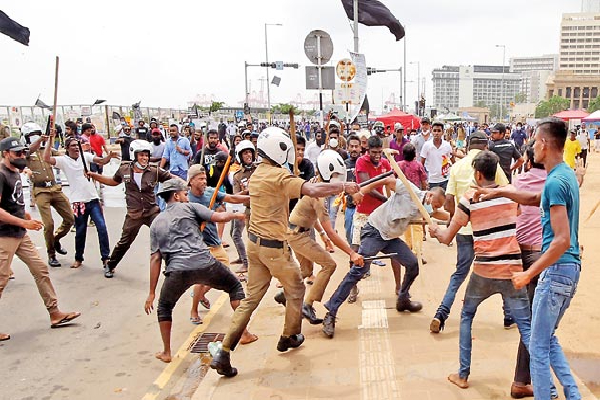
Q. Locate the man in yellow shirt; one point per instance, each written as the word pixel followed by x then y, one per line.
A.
pixel 572 149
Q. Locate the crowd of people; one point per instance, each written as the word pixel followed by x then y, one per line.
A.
pixel 509 196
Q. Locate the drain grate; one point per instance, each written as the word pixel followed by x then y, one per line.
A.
pixel 201 344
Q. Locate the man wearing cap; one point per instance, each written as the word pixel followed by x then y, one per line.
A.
pixel 139 178
pixel 201 193
pixel 177 153
pixel 14 240
pixel 48 193
pixel 505 150
pixel 176 239
pixel 398 142
pixel 142 131
pixel 271 189
pixel 424 135
pixel 461 180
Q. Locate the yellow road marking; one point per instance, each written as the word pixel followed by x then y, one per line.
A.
pixel 164 378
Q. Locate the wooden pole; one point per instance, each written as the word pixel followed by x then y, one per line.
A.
pixel 213 198
pixel 412 194
pixel 53 124
pixel 294 141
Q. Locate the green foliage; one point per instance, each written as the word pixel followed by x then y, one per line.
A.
pixel 520 98
pixel 215 106
pixel 284 109
pixel 555 104
pixel 594 105
pixel 480 103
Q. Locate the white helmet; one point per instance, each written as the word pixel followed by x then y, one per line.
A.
pixel 244 145
pixel 328 163
pixel 275 144
pixel 139 145
pixel 31 127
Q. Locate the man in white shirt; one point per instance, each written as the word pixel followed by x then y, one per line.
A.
pixel 437 157
pixel 584 140
pixel 314 149
pixel 83 196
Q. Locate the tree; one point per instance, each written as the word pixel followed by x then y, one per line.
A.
pixel 520 98
pixel 594 105
pixel 480 103
pixel 284 108
pixel 215 106
pixel 495 111
pixel 555 104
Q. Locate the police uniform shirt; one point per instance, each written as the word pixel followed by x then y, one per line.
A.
pixel 42 173
pixel 307 211
pixel 271 189
pixel 140 200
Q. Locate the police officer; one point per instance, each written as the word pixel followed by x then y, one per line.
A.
pixel 308 211
pixel 47 193
pixel 140 179
pixel 271 188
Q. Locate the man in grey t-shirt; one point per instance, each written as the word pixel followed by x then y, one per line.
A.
pixel 175 236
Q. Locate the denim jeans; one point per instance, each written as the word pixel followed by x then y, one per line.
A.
pixel 479 289
pixel 332 209
pixel 159 200
pixel 464 259
pixel 442 184
pixel 238 227
pixel 180 173
pixel 348 219
pixel 93 210
pixel 372 243
pixel 555 289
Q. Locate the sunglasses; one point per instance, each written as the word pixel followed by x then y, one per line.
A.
pixel 18 153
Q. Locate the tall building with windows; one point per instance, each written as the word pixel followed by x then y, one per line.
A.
pixel 578 77
pixel 535 72
pixel 476 85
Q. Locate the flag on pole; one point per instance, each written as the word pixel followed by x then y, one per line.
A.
pixel 374 13
pixel 41 104
pixel 97 102
pixel 14 30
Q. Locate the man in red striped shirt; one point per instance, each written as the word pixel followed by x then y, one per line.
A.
pixel 497 257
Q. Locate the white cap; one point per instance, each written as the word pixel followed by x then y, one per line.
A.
pixel 397 126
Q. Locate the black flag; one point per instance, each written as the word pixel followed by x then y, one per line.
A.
pixel 41 104
pixel 374 13
pixel 13 29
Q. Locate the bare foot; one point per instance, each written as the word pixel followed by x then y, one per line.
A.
pixel 248 337
pixel 162 356
pixel 4 336
pixel 458 381
pixel 76 264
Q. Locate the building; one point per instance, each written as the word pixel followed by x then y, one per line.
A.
pixel 477 85
pixel 535 72
pixel 578 77
pixel 547 62
pixel 590 6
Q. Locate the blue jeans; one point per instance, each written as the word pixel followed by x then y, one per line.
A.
pixel 479 289
pixel 372 243
pixel 93 210
pixel 180 173
pixel 159 200
pixel 238 226
pixel 332 209
pixel 442 184
pixel 464 259
pixel 348 219
pixel 555 289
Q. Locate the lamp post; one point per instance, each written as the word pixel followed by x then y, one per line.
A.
pixel 268 79
pixel 418 81
pixel 502 81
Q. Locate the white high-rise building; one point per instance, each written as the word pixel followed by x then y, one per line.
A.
pixel 590 6
pixel 534 71
pixel 580 43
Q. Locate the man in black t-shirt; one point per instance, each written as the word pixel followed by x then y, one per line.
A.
pixel 14 223
pixel 142 132
pixel 505 150
pixel 210 150
pixel 124 140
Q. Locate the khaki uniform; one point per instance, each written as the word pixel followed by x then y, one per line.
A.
pixel 306 249
pixel 48 194
pixel 141 205
pixel 271 189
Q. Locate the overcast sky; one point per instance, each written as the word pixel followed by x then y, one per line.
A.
pixel 164 53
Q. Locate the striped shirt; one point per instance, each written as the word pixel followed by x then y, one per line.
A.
pixel 494 222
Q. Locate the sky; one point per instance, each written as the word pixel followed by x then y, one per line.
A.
pixel 165 54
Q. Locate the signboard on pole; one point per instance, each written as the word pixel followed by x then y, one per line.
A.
pixel 312 47
pixel 279 65
pixel 327 78
pixel 346 93
pixel 360 82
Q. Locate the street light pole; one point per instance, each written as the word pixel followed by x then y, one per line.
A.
pixel 268 79
pixel 502 81
pixel 418 82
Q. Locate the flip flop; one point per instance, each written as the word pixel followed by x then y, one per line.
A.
pixel 12 276
pixel 4 337
pixel 254 339
pixel 76 264
pixel 205 303
pixel 196 321
pixel 70 317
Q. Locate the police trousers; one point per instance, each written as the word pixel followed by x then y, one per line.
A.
pixel 60 202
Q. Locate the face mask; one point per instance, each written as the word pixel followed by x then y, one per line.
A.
pixel 333 143
pixel 320 142
pixel 18 163
pixel 140 166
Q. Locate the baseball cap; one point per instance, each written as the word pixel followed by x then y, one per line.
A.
pixel 425 120
pixel 173 185
pixel 11 143
pixel 195 170
pixel 398 126
pixel 478 138
pixel 155 130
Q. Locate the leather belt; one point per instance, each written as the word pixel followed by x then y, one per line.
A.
pixel 530 247
pixel 270 243
pixel 44 184
pixel 298 229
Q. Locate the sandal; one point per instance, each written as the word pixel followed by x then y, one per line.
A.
pixel 205 303
pixel 76 264
pixel 196 320
pixel 68 318
pixel 4 337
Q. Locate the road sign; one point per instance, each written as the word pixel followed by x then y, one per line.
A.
pixel 239 114
pixel 327 78
pixel 311 47
pixel 346 93
pixel 345 70
pixel 279 65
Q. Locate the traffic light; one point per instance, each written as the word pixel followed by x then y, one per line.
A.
pixel 274 65
pixel 371 71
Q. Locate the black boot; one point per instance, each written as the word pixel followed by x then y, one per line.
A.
pixel 405 304
pixel 292 341
pixel 280 298
pixel 309 313
pixel 53 262
pixel 109 272
pixel 329 325
pixel 59 249
pixel 222 364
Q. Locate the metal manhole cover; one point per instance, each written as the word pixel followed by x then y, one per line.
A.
pixel 201 344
